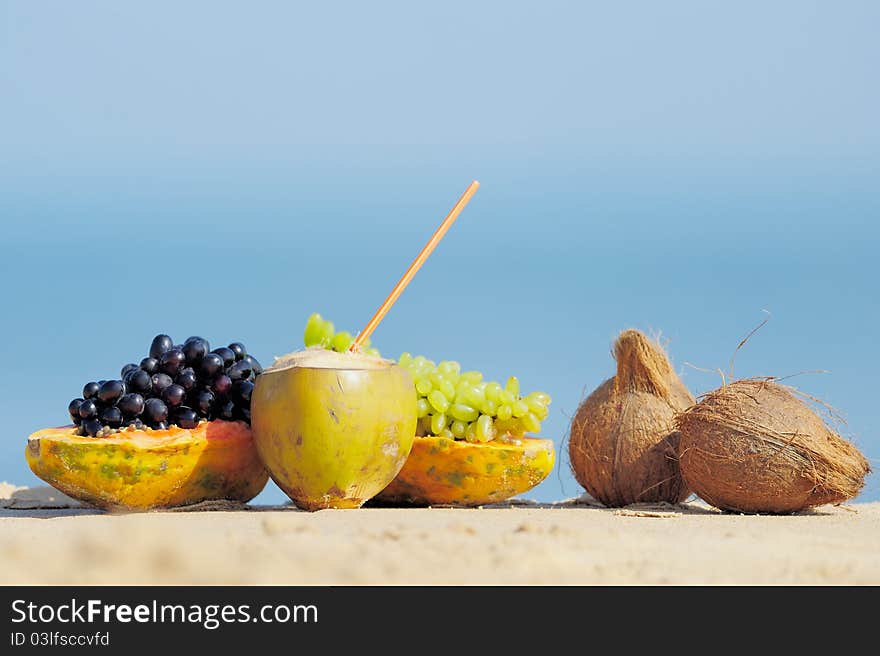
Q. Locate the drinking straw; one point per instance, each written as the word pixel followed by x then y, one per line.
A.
pixel 414 267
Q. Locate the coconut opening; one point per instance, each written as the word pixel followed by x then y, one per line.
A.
pixel 319 358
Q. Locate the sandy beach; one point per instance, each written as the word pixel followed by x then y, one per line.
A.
pixel 47 539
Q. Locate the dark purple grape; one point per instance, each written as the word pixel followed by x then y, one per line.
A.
pixel 173 395
pixel 111 391
pixel 132 404
pixel 185 417
pixel 90 390
pixel 111 416
pixel 239 350
pixel 140 381
pixel 160 345
pixel 241 370
pixel 211 365
pixel 255 366
pixel 204 403
pixel 172 361
pixel 160 425
pixel 160 382
pixel 241 393
pixel 137 424
pixel 150 365
pixel 88 409
pixel 73 409
pixel 92 427
pixel 243 413
pixel 187 379
pixel 221 385
pixel 195 348
pixel 155 411
pixel 228 355
pixel 227 411
pixel 131 366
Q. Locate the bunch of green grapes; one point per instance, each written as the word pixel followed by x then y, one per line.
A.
pixel 461 405
pixel 320 332
pixel 452 403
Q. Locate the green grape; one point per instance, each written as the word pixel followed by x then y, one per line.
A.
pixel 530 422
pixel 439 402
pixel 470 433
pixel 463 412
pixel 449 368
pixel 371 351
pixel 446 433
pixel 438 423
pixel 520 409
pixel 472 377
pixel 424 386
pixel 493 391
pixel 423 408
pixel 341 341
pixel 405 359
pixel 512 385
pixel 458 428
pixel 505 412
pixel 506 398
pixel 489 407
pixel 327 332
pixel 420 361
pixel 540 397
pixel 314 331
pixel 485 430
pixel 534 404
pixel 542 413
pixel 448 389
pixel 443 384
pixel 473 396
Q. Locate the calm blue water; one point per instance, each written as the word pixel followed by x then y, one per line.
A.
pixel 226 172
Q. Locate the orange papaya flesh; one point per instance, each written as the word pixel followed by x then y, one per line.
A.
pixel 149 469
pixel 441 470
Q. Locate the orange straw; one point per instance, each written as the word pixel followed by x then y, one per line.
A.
pixel 415 266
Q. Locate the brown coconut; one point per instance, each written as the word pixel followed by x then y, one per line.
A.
pixel 752 446
pixel 623 441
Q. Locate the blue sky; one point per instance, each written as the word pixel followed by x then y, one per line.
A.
pixel 226 169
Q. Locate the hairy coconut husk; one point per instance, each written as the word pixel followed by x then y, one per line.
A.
pixel 753 446
pixel 623 441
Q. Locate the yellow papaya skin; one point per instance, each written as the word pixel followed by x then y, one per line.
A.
pixel 150 469
pixel 443 471
pixel 333 438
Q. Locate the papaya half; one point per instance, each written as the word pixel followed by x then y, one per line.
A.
pixel 149 469
pixel 441 470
